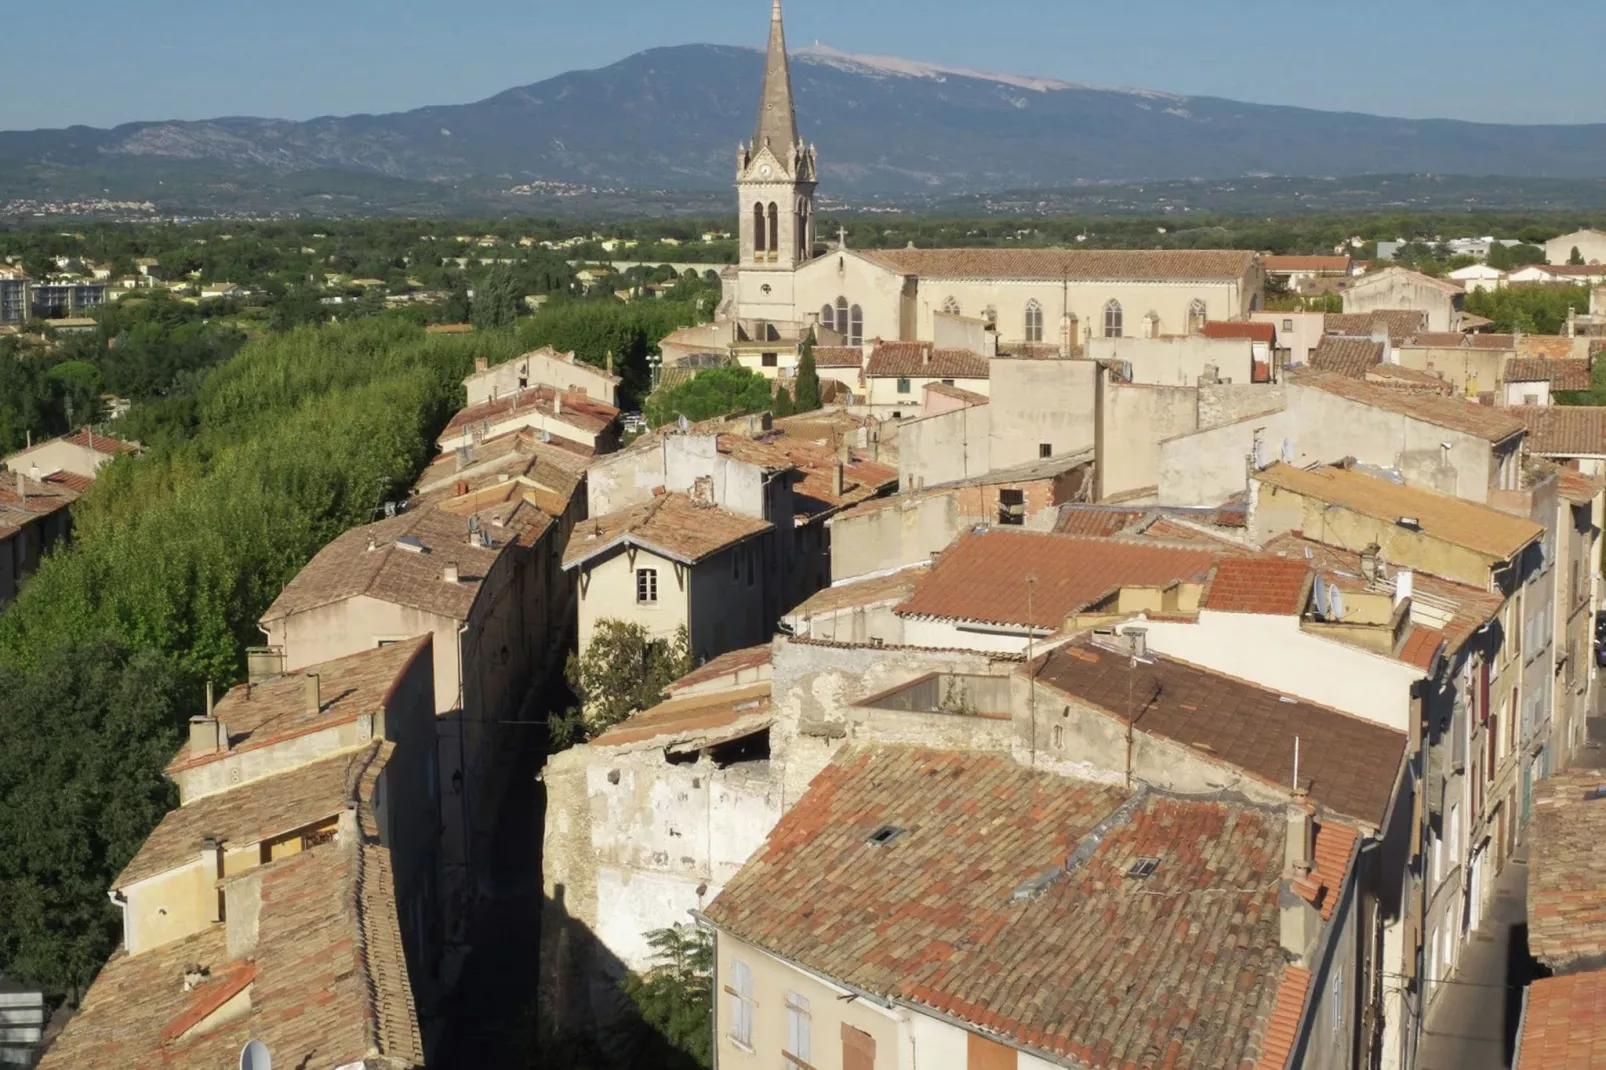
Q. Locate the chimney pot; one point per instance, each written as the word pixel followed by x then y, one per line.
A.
pixel 1301 843
pixel 312 693
pixel 836 480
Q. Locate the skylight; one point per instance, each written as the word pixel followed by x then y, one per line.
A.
pixel 884 835
pixel 1143 867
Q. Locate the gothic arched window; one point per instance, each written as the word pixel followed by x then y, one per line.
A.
pixel 828 318
pixel 759 230
pixel 1112 319
pixel 951 306
pixel 1034 321
pixel 1196 317
pixel 856 326
pixel 775 229
pixel 842 314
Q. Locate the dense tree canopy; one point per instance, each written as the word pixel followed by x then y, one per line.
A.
pixel 725 391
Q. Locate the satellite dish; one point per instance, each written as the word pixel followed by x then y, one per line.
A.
pixel 684 423
pixel 254 1056
pixel 1321 596
pixel 1288 452
pixel 1335 602
pixel 1260 454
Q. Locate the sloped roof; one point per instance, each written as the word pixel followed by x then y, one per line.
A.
pixel 375 560
pixel 921 359
pixel 328 979
pixel 1474 527
pixel 1563 430
pixel 1005 576
pixel 1564 1023
pixel 1398 323
pixel 748 660
pixel 577 410
pixel 256 715
pixel 1257 330
pixel 969 397
pixel 671 525
pixel 1561 374
pixel 1348 765
pixel 995 907
pixel 1349 357
pixel 700 719
pixel 1185 264
pixel 892 588
pixel 838 356
pixel 1277 586
pixel 1390 274
pixel 1567 872
pixel 1480 421
pixel 1306 263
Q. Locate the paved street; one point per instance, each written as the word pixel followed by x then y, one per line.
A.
pixel 1473 1021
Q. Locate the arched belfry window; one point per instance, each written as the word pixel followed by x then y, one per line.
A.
pixel 842 314
pixel 1034 321
pixel 1197 317
pixel 760 232
pixel 828 317
pixel 1112 319
pixel 775 229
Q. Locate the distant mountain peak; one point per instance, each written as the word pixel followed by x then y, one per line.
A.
pixel 869 65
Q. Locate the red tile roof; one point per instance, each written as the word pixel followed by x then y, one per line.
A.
pixel 1276 586
pixel 1564 1023
pixel 921 360
pixel 1066 263
pixel 1285 1019
pixel 695 720
pixel 838 356
pixel 969 397
pixel 670 525
pixel 1096 521
pixel 1561 374
pixel 1567 872
pixel 747 660
pixel 1349 357
pixel 1340 264
pixel 1480 421
pixel 1348 765
pixel 995 906
pixel 984 576
pixel 1398 324
pixel 1257 331
pixel 1563 430
pixel 578 410
pixel 71 480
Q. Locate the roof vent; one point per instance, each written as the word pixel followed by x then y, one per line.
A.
pixel 1143 867
pixel 884 835
pixel 1410 523
pixel 411 544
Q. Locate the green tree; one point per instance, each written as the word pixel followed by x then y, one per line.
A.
pixel 456 308
pixel 1576 257
pixel 675 997
pixel 86 732
pixel 622 671
pixel 726 391
pixel 496 299
pixel 783 402
pixel 808 380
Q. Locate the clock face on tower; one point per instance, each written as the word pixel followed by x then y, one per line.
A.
pixel 764 170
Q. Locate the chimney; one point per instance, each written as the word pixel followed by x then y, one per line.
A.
pixel 212 871
pixel 22 489
pixel 482 364
pixel 925 355
pixel 34 473
pixel 1404 585
pixel 312 693
pixel 557 403
pixel 1299 920
pixel 449 573
pixel 836 480
pixel 1369 561
pixel 204 735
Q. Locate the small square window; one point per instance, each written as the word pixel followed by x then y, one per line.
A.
pixel 647 586
pixel 771 360
pixel 884 835
pixel 903 386
pixel 1045 449
pixel 947 382
pixel 1288 325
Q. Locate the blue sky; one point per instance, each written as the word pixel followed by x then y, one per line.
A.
pixel 99 62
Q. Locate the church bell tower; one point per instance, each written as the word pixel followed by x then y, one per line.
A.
pixel 776 173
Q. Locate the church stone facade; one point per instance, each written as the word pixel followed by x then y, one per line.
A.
pixel 788 284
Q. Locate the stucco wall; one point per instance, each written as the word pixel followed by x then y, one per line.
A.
pixel 608 591
pixel 1398 289
pixel 885 394
pixel 1178 360
pixel 892 536
pixel 1136 420
pixel 57 455
pixel 945 447
pixel 1470 371
pixel 1049 402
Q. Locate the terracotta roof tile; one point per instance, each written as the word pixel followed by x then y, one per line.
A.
pixel 1438 339
pixel 1398 324
pixel 1475 527
pixel 838 356
pixel 1577 487
pixel 1349 357
pixel 1567 872
pixel 1561 374
pixel 994 906
pixel 1096 521
pixel 1276 585
pixel 969 397
pixel 921 359
pixel 1258 331
pixel 1066 263
pixel 1286 1018
pixel 403 560
pixel 695 720
pixel 1564 430
pixel 984 576
pixel 892 589
pixel 578 410
pixel 671 525
pixel 271 710
pixel 1564 1024
pixel 1339 264
pixel 747 661
pixel 1546 346
pixel 1480 421
pixel 1399 377
pixel 327 980
pixel 1348 765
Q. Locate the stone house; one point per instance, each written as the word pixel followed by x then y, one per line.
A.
pixel 578 418
pixel 897 374
pixel 541 367
pixel 1402 288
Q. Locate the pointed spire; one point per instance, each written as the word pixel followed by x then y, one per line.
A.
pixel 777 120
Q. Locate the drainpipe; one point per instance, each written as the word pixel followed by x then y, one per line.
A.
pixel 462 758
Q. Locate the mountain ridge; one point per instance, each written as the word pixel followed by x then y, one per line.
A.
pixel 669 119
